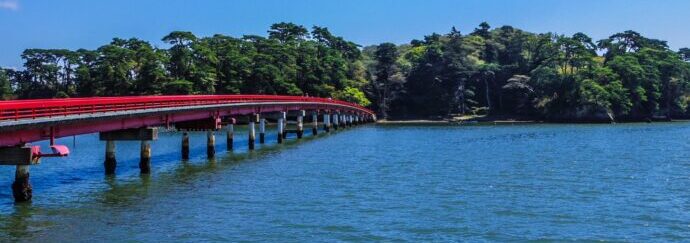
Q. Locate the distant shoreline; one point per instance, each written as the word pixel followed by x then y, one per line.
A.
pixel 505 121
pixel 425 121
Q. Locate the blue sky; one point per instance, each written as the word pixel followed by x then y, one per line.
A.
pixel 76 24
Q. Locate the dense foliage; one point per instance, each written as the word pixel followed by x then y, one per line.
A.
pixel 507 71
pixel 291 60
pixel 503 71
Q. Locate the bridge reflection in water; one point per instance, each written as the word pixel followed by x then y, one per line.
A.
pixel 138 118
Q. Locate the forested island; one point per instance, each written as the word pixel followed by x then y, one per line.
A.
pixel 499 72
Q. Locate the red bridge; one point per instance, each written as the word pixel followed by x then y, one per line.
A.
pixel 137 118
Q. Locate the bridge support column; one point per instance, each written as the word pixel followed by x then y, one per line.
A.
pixel 335 121
pixel 338 123
pixel 315 123
pixel 210 144
pixel 145 160
pixel 21 188
pixel 230 136
pixel 285 122
pixel 21 157
pixel 280 130
pixel 262 130
pixel 110 162
pixel 300 124
pixel 326 122
pixel 341 121
pixel 252 135
pixel 137 134
pixel 185 146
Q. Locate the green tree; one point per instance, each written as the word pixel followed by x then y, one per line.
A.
pixel 5 86
pixel 684 54
pixel 287 32
pixel 386 56
pixel 180 63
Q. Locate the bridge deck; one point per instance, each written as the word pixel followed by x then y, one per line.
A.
pixel 34 120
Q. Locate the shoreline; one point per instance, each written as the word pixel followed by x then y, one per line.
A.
pixel 441 122
pixel 500 122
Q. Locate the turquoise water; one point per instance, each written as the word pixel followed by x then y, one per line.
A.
pixel 624 182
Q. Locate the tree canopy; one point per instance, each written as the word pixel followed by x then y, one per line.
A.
pixel 496 71
pixel 508 71
pixel 290 60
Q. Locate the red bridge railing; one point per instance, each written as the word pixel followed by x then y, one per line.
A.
pixel 39 108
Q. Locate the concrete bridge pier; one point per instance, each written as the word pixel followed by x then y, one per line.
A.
pixel 21 188
pixel 22 157
pixel 327 122
pixel 110 162
pixel 335 121
pixel 262 130
pixel 230 136
pixel 281 129
pixel 285 122
pixel 315 123
pixel 252 134
pixel 144 135
pixel 341 121
pixel 210 144
pixel 145 154
pixel 300 123
pixel 185 146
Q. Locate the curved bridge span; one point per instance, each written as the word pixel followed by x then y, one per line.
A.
pixel 136 118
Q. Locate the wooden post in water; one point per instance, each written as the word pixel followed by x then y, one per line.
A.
pixel 230 135
pixel 262 130
pixel 326 122
pixel 252 135
pixel 210 144
pixel 110 162
pixel 21 188
pixel 300 124
pixel 280 130
pixel 145 160
pixel 315 123
pixel 185 146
